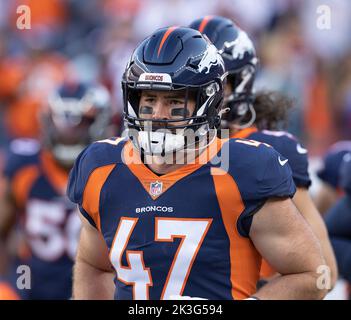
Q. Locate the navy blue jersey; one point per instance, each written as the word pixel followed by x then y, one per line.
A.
pixel 338 221
pixel 50 222
pixel 288 146
pixel 329 173
pixel 345 173
pixel 185 232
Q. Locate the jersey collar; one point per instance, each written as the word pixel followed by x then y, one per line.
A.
pixel 244 133
pixel 156 185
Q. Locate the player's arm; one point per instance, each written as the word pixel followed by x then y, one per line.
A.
pixel 7 222
pixel 93 274
pixel 286 241
pixel 305 205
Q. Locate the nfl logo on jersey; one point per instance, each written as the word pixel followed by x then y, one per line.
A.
pixel 155 188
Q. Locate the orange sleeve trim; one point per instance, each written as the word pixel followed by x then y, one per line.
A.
pixel 164 38
pixel 204 23
pixel 245 261
pixel 244 133
pixel 22 183
pixel 91 195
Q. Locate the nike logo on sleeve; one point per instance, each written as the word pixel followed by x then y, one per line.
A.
pixel 300 149
pixel 282 162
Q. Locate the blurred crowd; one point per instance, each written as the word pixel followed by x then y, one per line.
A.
pixel 92 40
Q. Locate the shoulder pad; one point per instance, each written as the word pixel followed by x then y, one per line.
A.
pixel 98 154
pixel 289 147
pixel 22 153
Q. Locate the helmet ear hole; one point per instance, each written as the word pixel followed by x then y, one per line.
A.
pixel 242 109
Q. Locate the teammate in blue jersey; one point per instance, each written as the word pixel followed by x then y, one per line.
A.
pixel 338 220
pixel 258 117
pixel 36 177
pixel 155 227
pixel 330 190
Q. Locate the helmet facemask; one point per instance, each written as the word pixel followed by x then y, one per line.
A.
pixel 188 127
pixel 239 103
pixel 239 56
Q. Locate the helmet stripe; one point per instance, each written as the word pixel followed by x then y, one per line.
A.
pixel 164 38
pixel 204 22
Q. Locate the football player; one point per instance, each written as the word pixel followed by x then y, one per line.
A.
pixel 36 180
pixel 155 229
pixel 257 118
pixel 330 190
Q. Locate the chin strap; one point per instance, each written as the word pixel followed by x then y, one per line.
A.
pixel 240 126
pixel 251 121
pixel 223 111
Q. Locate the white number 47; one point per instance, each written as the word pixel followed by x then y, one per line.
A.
pixel 191 231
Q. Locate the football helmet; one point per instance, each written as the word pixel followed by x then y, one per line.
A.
pixel 77 114
pixel 239 55
pixel 176 59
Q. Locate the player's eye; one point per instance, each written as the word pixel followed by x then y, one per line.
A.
pixel 145 110
pixel 175 102
pixel 149 100
pixel 180 112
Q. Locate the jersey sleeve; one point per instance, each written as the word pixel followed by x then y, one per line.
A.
pixel 289 147
pixel 298 162
pixel 77 180
pixel 265 174
pixel 22 153
pixel 88 175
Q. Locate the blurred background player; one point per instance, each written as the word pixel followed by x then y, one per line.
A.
pixel 329 191
pixel 259 116
pixel 338 220
pixel 36 175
